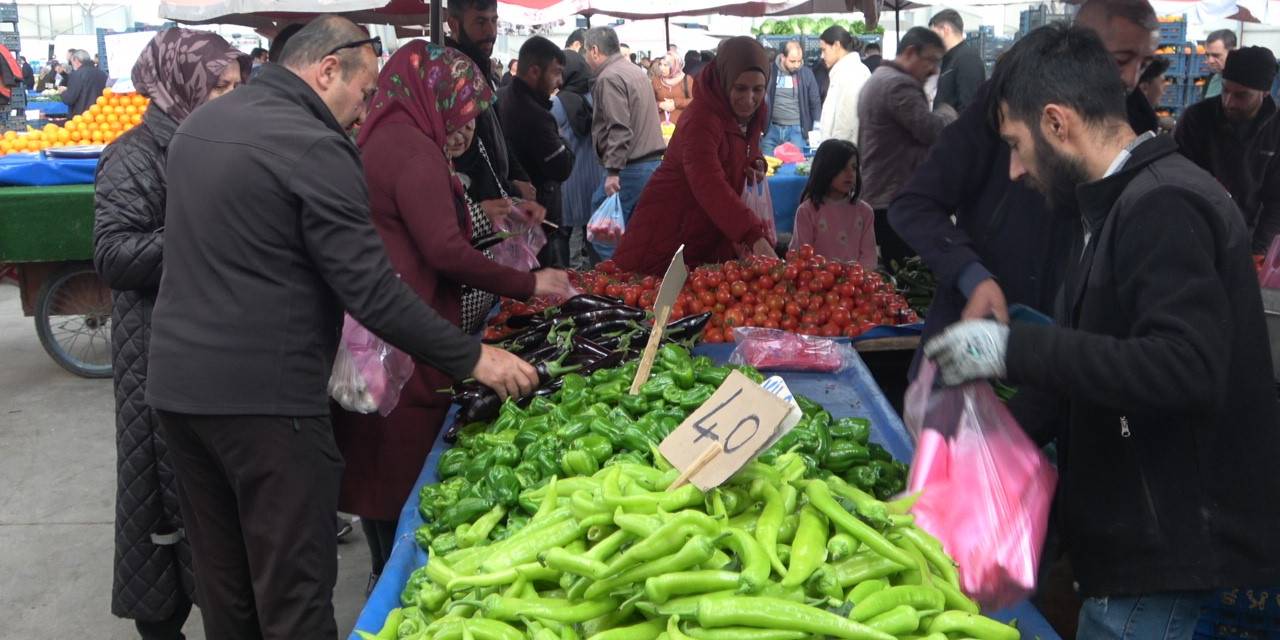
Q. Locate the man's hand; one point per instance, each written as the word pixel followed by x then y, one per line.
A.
pixel 536 212
pixel 496 210
pixel 505 373
pixel 970 350
pixel 763 248
pixel 526 189
pixel 552 283
pixel 612 185
pixel 987 301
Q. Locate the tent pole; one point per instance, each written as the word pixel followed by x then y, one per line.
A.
pixel 666 25
pixel 897 27
pixel 437 28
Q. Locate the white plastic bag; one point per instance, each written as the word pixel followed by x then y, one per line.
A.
pixel 607 224
pixel 368 374
pixel 525 239
pixel 757 197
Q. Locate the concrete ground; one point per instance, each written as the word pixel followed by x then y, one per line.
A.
pixel 57 505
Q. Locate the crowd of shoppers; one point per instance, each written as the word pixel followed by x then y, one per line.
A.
pixel 1045 186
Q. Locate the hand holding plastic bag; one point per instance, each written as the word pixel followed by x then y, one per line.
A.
pixel 368 374
pixel 986 488
pixel 525 239
pixel 778 350
pixel 607 224
pixel 757 197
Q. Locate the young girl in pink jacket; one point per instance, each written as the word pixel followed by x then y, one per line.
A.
pixel 831 217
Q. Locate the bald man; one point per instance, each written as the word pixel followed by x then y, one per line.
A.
pixel 793 99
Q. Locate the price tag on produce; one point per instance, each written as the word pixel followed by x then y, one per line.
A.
pixel 668 291
pixel 778 387
pixel 725 433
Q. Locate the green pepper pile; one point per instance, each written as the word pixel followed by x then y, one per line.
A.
pixel 777 553
pixel 593 422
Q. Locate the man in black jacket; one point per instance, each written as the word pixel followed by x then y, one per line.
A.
pixel 962 69
pixel 1159 354
pixel 1235 136
pixel 85 83
pixel 492 174
pixel 267 240
pixel 534 137
pixel 1004 244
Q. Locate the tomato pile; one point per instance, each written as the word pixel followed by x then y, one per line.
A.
pixel 805 294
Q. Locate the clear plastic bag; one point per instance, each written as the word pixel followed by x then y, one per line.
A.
pixel 607 224
pixel 368 374
pixel 778 350
pixel 986 488
pixel 757 197
pixel 525 239
pixel 1269 276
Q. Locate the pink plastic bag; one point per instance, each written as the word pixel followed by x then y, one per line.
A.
pixel 788 153
pixel 778 350
pixel 986 488
pixel 757 197
pixel 1269 277
pixel 520 250
pixel 368 374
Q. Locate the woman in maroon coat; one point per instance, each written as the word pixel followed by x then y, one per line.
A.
pixel 423 115
pixel 695 196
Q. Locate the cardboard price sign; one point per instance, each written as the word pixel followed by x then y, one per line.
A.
pixel 668 291
pixel 725 433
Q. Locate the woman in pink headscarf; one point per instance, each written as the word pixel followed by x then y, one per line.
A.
pixel 422 116
pixel 672 87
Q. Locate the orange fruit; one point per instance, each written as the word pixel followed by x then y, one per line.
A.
pixel 6 146
pixel 97 135
pixel 64 135
pixel 107 92
pixel 77 135
pixel 135 119
pixel 111 117
pixel 139 100
pixel 100 100
pixel 10 135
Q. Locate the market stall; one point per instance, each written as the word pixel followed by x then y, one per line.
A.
pixel 850 394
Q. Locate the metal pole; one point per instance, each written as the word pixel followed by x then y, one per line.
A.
pixel 666 25
pixel 437 22
pixel 897 28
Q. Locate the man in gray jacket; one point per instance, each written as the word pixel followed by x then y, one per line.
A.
pixel 267 240
pixel 898 128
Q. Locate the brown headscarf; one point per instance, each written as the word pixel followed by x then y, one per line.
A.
pixel 179 67
pixel 736 56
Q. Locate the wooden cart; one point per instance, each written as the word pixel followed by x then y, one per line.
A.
pixel 46 236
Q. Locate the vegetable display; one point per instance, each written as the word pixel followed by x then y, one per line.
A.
pixel 915 283
pixel 804 294
pixel 591 422
pixel 780 552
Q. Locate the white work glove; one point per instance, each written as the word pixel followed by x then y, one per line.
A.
pixel 970 350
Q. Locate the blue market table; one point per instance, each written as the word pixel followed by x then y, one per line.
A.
pixel 851 393
pixel 785 188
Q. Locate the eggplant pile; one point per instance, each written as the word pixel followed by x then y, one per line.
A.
pixel 585 334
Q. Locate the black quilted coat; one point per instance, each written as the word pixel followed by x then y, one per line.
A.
pixel 152 560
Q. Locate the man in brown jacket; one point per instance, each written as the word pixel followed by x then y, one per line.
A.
pixel 898 128
pixel 625 127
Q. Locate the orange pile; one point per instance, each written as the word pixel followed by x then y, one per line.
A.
pixel 110 116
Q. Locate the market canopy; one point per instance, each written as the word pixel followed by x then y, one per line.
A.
pixel 870 9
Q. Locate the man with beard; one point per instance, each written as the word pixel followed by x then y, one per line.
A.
pixel 492 175
pixel 525 106
pixel 1159 356
pixel 1004 242
pixel 1235 137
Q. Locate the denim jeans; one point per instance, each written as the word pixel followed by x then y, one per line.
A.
pixel 1167 616
pixel 778 134
pixel 633 179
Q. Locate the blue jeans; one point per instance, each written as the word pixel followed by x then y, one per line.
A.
pixel 778 134
pixel 1171 616
pixel 633 179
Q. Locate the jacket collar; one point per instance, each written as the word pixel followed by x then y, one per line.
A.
pixel 1097 198
pixel 287 84
pixel 897 68
pixel 160 125
pixel 521 88
pixel 613 59
pixel 1224 126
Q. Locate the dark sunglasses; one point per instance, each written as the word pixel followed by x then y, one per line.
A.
pixel 376 43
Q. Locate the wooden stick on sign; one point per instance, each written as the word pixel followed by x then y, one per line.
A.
pixel 703 460
pixel 672 283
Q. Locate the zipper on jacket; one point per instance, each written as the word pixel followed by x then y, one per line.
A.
pixel 1142 474
pixel 1124 427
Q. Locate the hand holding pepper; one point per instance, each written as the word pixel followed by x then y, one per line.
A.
pixel 505 373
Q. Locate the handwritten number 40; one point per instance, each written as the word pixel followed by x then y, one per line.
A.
pixel 706 429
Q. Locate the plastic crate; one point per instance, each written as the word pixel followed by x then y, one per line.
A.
pixel 1198 66
pixel 1173 32
pixel 1174 96
pixel 9 12
pixel 1177 64
pixel 1240 614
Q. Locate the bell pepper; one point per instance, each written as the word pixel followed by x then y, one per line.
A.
pixel 626 457
pixel 528 475
pixel 575 428
pixel 855 429
pixel 749 372
pixel 844 454
pixel 475 468
pixel 688 398
pixel 863 477
pixel 636 438
pixel 503 485
pixel 636 406
pixel 452 462
pixel 610 392
pixel 701 363
pixel 510 417
pixel 879 453
pixel 714 376
pixel 577 462
pixel 523 439
pixel 464 510
pixel 573 383
pixel 606 428
pixel 820 424
pixel 596 445
pixel 505 454
pixel 652 389
pixel 539 407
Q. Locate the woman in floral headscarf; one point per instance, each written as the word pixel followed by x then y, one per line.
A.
pixel 672 87
pixel 421 117
pixel 179 70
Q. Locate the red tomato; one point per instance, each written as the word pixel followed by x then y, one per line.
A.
pixel 804 276
pixel 600 288
pixel 832 298
pixel 724 297
pixel 719 308
pixel 835 269
pixel 815 303
pixel 775 315
pixel 707 299
pixel 712 335
pixel 648 297
pixel 714 279
pixel 734 317
pixel 678 310
pixel 852 331
pixel 772 324
pixel 749 299
pixel 650 282
pixel 827 279
pixel 738 288
pixel 830 330
pixel 793 309
pixel 793 255
pixel 695 307
pixel 759 319
pixel 608 266
pixel 766 282
pixel 841 318
pixel 807 329
pixel 790 273
pixel 631 296
pixel 789 323
pixel 815 286
pixel 824 315
pixel 806 252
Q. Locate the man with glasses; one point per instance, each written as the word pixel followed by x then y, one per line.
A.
pixel 793 100
pixel 267 240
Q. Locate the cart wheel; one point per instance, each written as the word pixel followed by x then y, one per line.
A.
pixel 73 320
